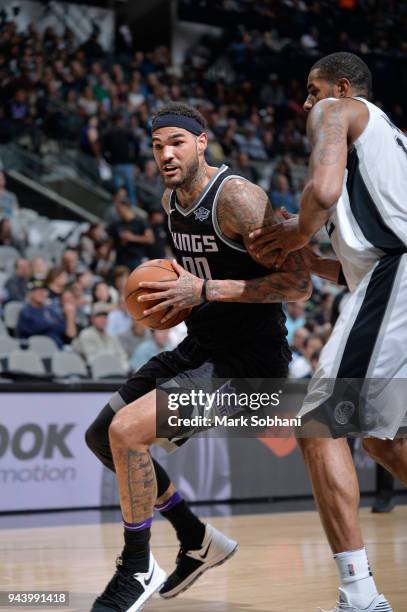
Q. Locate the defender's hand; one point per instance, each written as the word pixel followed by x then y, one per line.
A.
pixel 182 293
pixel 284 237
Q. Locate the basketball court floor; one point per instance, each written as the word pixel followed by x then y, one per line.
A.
pixel 283 565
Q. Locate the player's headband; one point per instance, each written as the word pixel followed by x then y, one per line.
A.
pixel 180 121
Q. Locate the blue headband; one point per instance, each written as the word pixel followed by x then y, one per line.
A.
pixel 171 120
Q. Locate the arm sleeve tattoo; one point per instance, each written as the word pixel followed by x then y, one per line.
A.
pixel 243 207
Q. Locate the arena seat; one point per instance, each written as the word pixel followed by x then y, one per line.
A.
pixel 11 314
pixel 43 346
pixel 65 365
pixel 26 362
pixel 106 365
pixel 8 345
pixel 8 256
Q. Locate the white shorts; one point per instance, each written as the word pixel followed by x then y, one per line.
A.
pixel 360 385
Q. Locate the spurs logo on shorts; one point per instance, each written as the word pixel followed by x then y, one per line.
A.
pixel 343 412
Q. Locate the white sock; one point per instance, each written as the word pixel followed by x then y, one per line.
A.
pixel 357 582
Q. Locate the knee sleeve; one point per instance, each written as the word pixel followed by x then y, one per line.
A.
pixel 97 437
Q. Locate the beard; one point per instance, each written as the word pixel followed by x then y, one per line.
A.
pixel 187 176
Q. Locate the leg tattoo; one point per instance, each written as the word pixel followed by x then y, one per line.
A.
pixel 142 485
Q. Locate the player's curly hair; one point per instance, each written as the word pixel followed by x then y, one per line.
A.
pixel 346 65
pixel 183 109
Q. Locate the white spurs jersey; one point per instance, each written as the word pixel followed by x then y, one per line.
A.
pixel 370 219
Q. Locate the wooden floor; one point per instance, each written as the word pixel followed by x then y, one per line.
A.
pixel 284 564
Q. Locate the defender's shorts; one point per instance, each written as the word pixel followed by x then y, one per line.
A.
pixel 360 385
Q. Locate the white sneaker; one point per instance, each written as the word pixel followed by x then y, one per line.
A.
pixel 379 604
pixel 127 591
pixel 190 564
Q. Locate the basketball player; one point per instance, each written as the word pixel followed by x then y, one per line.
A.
pixel 236 330
pixel 357 188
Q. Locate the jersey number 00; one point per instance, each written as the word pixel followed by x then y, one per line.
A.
pixel 198 266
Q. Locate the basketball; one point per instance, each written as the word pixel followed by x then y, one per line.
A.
pixel 156 270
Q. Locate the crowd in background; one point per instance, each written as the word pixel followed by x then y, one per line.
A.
pixel 250 85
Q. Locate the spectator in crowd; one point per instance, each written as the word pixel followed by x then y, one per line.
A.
pixel 133 337
pixel 284 167
pixel 295 318
pixel 245 168
pixel 120 276
pixel 95 339
pixel 10 237
pixel 250 143
pixel 156 343
pixel 303 366
pixel 281 195
pixel 69 262
pixel 121 148
pixel 8 200
pixel 300 335
pixel 39 268
pixel 101 293
pixel 323 311
pixel 104 260
pixel 68 305
pixel 95 234
pixel 85 279
pixel 56 281
pixel 87 102
pixel 314 361
pixel 16 285
pixel 150 189
pixel 129 237
pixel 111 214
pixel 90 143
pixel 39 318
pixel 82 304
pixel 119 321
pixel 6 127
pixel 92 47
pixel 20 115
pixel 158 221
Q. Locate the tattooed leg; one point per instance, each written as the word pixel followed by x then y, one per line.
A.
pixel 131 433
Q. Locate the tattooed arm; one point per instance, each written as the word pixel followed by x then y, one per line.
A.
pixel 242 207
pixel 327 128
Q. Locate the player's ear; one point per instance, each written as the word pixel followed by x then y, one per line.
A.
pixel 343 88
pixel 202 142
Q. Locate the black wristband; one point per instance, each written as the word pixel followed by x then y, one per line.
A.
pixel 204 289
pixel 341 278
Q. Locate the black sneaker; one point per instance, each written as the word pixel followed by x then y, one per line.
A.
pixel 128 591
pixel 190 564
